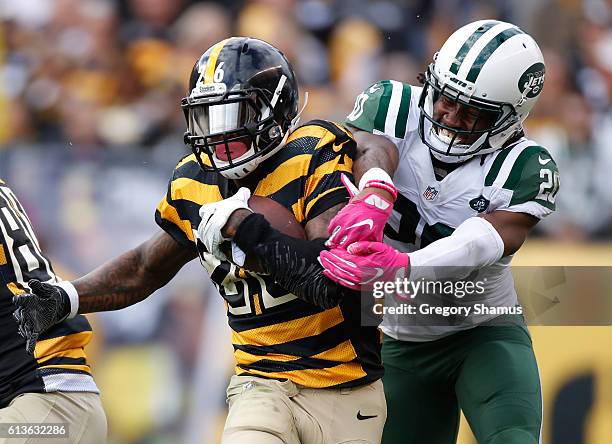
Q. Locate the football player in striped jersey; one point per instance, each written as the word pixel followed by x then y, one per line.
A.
pixel 306 371
pixel 54 384
pixel 470 186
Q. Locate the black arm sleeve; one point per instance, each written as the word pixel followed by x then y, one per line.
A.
pixel 292 262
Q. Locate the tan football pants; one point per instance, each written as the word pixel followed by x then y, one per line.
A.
pixel 81 411
pixel 266 411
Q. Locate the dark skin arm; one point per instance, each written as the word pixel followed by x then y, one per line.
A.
pixel 315 228
pixel 136 274
pixel 374 151
pixel 513 228
pixel 133 276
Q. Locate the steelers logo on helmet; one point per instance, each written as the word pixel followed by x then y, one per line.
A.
pixel 476 74
pixel 242 105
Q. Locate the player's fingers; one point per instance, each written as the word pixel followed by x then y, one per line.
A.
pixel 339 280
pixel 35 285
pixel 363 248
pixel 31 343
pixel 242 194
pixel 20 300
pixel 331 242
pixel 340 257
pixel 339 272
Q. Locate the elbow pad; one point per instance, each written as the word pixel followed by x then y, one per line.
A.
pixel 474 244
pixel 292 262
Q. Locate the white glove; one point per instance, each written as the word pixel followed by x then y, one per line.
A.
pixel 214 217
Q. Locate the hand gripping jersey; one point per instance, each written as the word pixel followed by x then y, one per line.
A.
pixel 59 361
pixel 275 334
pixel 520 178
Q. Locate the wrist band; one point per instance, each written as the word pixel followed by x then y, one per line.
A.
pixel 377 174
pixel 390 188
pixel 73 295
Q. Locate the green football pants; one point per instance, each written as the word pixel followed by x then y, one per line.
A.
pixel 490 372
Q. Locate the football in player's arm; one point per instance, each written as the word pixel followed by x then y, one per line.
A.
pixel 470 187
pixel 53 386
pixel 300 350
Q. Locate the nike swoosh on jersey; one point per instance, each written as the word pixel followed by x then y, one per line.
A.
pixel 368 222
pixel 543 161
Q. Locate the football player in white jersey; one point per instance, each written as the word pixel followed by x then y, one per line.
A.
pixel 468 186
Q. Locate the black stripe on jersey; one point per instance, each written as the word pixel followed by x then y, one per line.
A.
pixel 191 169
pixel 341 135
pixel 369 378
pixel 295 147
pixel 61 371
pixel 187 210
pixel 78 324
pixel 289 311
pixel 64 361
pixel 174 231
pixel 290 193
pixel 308 346
pixel 269 366
pixel 326 202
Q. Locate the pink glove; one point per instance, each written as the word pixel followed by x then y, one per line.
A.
pixel 363 263
pixel 359 220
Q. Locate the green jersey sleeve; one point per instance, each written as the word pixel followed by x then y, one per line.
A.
pixel 534 177
pixel 382 109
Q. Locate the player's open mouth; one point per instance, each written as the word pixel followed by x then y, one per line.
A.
pixel 447 136
pixel 235 150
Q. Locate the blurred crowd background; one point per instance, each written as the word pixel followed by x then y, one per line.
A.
pixel 90 128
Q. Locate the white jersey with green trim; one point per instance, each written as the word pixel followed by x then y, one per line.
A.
pixel 520 178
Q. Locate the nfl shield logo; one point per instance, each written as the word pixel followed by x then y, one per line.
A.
pixel 430 193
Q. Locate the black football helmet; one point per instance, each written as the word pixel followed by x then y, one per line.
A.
pixel 242 104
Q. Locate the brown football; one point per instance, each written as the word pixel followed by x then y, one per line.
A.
pixel 279 217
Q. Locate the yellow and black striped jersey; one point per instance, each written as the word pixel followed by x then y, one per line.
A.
pixel 275 334
pixel 59 362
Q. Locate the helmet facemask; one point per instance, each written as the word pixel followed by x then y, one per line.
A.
pixel 451 144
pixel 230 129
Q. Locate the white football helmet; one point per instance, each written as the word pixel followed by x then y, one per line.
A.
pixel 492 67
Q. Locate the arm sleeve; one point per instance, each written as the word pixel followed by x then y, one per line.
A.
pixel 292 263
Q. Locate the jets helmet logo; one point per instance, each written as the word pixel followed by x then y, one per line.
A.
pixel 532 80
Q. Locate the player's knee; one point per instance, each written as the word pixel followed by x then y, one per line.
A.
pixel 512 435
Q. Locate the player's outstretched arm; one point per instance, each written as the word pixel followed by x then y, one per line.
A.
pixel 121 282
pixel 372 201
pixel 133 276
pixel 373 151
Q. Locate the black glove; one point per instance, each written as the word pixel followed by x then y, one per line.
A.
pixel 296 273
pixel 292 263
pixel 37 311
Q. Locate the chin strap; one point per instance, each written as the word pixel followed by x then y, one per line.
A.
pixel 296 119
